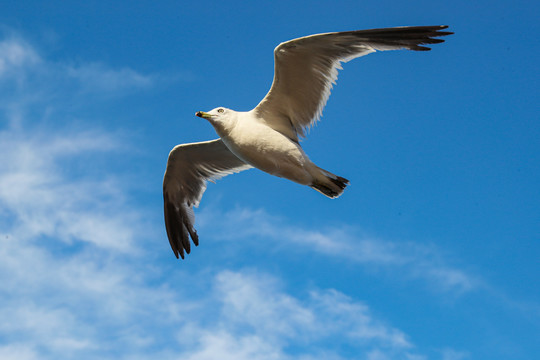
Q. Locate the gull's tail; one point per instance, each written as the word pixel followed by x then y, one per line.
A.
pixel 329 184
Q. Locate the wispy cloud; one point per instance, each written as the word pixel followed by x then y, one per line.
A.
pixel 256 319
pixel 66 227
pixel 37 196
pixel 28 78
pixel 17 352
pixel 32 184
pixel 16 54
pixel 346 242
pixel 258 301
pixel 97 77
pixel 70 243
pixel 451 354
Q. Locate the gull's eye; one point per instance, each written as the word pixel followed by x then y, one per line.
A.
pixel 220 110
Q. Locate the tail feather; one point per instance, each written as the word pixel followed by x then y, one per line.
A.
pixel 331 185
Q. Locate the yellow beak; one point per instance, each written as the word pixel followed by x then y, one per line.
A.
pixel 203 115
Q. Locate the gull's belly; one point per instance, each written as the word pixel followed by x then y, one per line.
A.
pixel 270 151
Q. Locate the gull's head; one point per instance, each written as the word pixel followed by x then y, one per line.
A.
pixel 218 116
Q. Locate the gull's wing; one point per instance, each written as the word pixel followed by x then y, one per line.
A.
pixel 305 69
pixel 188 168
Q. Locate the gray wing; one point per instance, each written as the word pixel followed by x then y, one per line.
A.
pixel 188 168
pixel 306 68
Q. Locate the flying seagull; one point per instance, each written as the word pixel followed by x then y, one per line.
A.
pixel 267 137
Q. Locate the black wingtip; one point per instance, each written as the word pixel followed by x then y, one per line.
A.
pixel 409 37
pixel 195 237
pixel 427 35
pixel 177 229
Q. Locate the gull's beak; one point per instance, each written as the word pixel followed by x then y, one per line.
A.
pixel 203 115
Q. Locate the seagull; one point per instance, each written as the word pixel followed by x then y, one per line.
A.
pixel 267 137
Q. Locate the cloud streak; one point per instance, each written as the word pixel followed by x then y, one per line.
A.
pixel 29 81
pixel 97 77
pixel 31 185
pixel 16 54
pixel 258 320
pixel 412 259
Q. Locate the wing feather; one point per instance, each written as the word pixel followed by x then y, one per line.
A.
pixel 188 168
pixel 306 68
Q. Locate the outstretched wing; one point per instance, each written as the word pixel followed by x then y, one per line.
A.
pixel 306 68
pixel 188 168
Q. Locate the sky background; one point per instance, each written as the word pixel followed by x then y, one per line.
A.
pixel 432 252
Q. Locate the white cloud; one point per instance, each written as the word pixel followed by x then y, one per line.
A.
pixel 451 354
pixel 341 309
pixel 75 305
pixel 16 54
pixel 258 302
pixel 224 345
pixel 412 259
pixel 17 352
pixel 28 79
pixel 34 190
pixel 256 319
pixel 97 77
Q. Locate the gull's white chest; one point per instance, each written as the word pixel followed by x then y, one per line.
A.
pixel 266 149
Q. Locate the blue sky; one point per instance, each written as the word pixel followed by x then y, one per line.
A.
pixel 431 253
